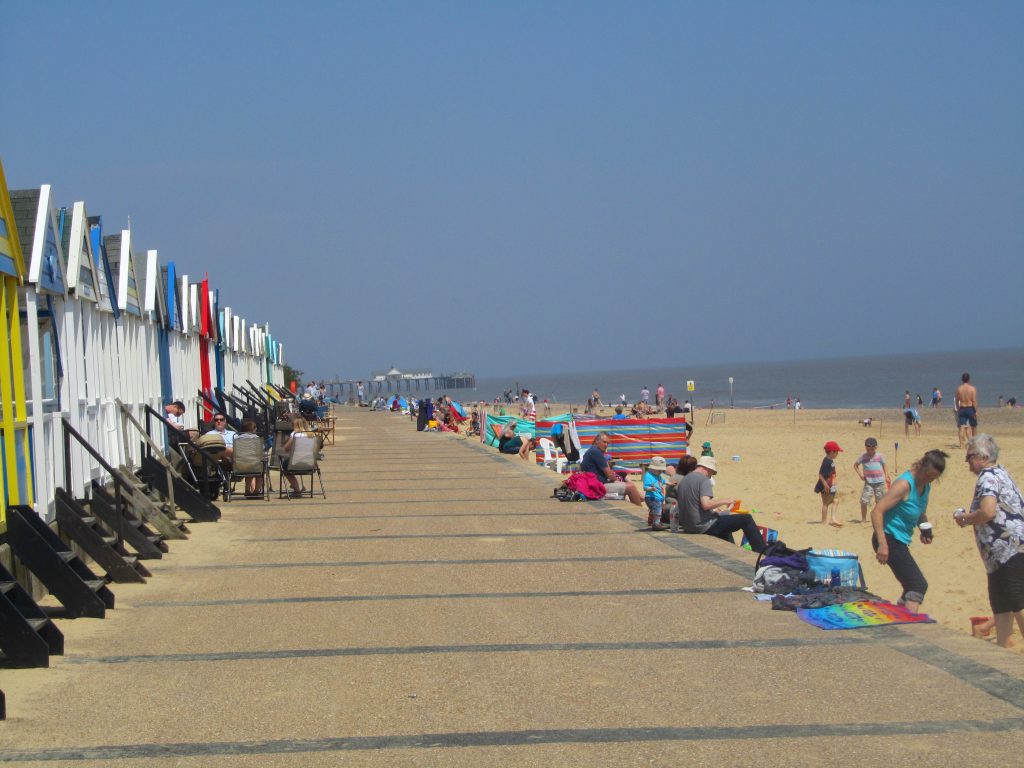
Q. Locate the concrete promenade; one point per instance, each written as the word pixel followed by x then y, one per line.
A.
pixel 440 609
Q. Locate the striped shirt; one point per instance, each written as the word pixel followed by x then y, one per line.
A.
pixel 873 468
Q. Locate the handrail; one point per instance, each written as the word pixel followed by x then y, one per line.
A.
pixel 247 397
pixel 115 475
pixel 150 445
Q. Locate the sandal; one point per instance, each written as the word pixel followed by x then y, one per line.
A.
pixel 834 524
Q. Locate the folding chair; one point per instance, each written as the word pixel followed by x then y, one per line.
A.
pixel 248 460
pixel 302 462
pixel 553 458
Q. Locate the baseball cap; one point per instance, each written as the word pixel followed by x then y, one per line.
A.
pixel 832 445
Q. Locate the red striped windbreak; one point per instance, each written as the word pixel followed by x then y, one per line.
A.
pixel 633 441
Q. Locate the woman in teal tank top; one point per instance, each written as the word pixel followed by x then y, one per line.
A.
pixel 894 519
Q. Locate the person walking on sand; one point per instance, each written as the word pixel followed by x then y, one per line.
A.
pixel 936 397
pixel 826 485
pixel 966 404
pixel 906 399
pixel 872 469
pixel 894 518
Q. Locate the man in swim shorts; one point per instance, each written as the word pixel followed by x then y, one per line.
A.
pixel 966 403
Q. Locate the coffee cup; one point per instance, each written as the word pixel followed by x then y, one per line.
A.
pixel 926 531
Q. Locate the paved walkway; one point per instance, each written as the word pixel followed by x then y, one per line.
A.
pixel 439 609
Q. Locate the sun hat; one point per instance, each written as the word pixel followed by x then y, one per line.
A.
pixel 658 463
pixel 708 462
pixel 707 444
pixel 871 441
pixel 832 445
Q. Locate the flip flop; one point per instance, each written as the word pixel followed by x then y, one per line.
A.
pixel 836 525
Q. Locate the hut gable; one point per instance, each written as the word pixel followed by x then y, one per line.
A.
pixel 81 275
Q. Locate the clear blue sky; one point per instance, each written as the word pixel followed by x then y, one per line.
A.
pixel 528 187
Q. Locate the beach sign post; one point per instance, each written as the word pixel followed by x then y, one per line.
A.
pixel 732 403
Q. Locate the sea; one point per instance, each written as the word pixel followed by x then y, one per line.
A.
pixel 850 382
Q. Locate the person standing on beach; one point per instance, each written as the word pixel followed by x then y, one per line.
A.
pixel 872 469
pixel 826 485
pixel 966 404
pixel 894 518
pixel 659 396
pixel 997 514
pixel 645 395
pixel 906 399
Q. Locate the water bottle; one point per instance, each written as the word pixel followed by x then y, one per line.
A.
pixel 673 519
pixel 835 578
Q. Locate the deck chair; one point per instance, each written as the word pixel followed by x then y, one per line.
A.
pixel 249 460
pixel 301 462
pixel 552 458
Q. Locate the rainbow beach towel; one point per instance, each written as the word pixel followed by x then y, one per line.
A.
pixel 860 614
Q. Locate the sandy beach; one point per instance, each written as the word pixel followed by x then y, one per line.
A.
pixel 778 457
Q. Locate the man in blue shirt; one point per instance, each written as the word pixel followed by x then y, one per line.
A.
pixel 594 461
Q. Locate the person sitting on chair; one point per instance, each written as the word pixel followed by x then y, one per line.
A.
pixel 253 485
pixel 220 426
pixel 299 429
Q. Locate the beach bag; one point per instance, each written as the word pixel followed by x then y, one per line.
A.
pixel 587 484
pixel 823 561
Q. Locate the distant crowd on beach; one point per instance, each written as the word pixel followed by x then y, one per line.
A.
pixel 896 507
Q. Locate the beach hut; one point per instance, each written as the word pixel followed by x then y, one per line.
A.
pixel 47 324
pixel 82 344
pixel 14 426
pixel 138 383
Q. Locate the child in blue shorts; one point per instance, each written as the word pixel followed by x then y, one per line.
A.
pixel 654 492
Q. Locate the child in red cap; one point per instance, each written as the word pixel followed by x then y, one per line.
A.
pixel 826 484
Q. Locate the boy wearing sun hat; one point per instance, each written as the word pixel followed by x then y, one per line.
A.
pixel 826 484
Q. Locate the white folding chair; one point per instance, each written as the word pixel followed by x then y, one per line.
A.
pixel 552 458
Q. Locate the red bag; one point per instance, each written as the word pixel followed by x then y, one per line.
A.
pixel 587 484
